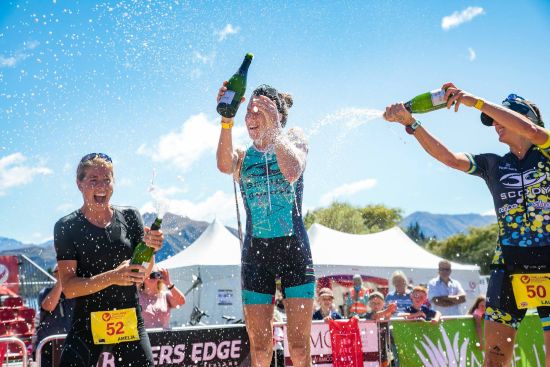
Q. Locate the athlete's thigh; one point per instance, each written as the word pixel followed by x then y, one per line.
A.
pixel 299 313
pixel 499 343
pixel 258 320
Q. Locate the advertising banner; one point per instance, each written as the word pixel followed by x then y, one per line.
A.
pixel 453 343
pixel 321 345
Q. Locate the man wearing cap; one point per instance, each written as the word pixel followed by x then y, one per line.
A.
pixel 326 310
pixel 358 298
pixel 519 182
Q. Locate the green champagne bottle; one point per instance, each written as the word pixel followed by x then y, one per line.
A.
pixel 427 102
pixel 236 86
pixel 142 253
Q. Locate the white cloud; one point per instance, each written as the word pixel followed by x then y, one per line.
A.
pixel 347 190
pixel 196 138
pixel 471 54
pixel 457 18
pixel 20 55
pixel 227 31
pixel 204 59
pixel 219 205
pixel 490 212
pixel 14 172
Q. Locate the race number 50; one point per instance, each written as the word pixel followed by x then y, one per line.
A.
pixel 536 291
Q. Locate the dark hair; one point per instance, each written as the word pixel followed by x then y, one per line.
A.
pixel 478 300
pixel 537 112
pixel 283 100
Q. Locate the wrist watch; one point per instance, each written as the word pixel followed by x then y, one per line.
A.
pixel 171 286
pixel 410 129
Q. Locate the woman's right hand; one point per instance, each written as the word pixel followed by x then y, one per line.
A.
pixel 221 91
pixel 126 274
pixel 398 113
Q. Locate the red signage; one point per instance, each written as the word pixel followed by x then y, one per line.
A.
pixel 9 275
pixel 346 343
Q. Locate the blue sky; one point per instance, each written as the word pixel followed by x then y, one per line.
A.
pixel 138 79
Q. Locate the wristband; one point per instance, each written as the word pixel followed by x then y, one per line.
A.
pixel 410 129
pixel 479 104
pixel 171 286
pixel 227 125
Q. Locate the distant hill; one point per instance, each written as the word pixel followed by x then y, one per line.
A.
pixel 442 226
pixel 179 232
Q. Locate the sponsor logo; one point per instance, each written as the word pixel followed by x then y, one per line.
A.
pixel 525 279
pixel 106 316
pixel 507 167
pixel 518 180
pixel 524 304
pixel 530 190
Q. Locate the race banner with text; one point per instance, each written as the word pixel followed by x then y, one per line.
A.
pixel 214 347
pixel 453 343
pixel 321 346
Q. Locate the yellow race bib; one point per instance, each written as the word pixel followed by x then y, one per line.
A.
pixel 531 290
pixel 112 327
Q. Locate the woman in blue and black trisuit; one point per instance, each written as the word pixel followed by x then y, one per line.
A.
pixel 519 182
pixel 270 175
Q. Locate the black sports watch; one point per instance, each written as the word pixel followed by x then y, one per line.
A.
pixel 410 129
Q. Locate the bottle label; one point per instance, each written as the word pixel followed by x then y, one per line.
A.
pixel 227 97
pixel 438 97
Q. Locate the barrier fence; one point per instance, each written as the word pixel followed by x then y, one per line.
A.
pixel 449 343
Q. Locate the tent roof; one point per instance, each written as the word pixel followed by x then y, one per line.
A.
pixel 391 248
pixel 215 246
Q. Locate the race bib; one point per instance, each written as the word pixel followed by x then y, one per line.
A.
pixel 531 290
pixel 112 327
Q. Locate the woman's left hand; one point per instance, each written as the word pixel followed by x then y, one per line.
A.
pixel 153 239
pixel 165 276
pixel 458 96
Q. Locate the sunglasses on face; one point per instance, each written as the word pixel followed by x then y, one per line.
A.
pixel 515 103
pixel 444 269
pixel 155 275
pixel 89 157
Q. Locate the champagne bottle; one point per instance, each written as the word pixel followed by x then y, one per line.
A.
pixel 427 102
pixel 236 86
pixel 142 253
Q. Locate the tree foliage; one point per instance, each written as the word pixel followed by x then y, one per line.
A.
pixel 475 247
pixel 414 231
pixel 358 220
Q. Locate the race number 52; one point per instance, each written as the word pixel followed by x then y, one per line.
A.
pixel 115 328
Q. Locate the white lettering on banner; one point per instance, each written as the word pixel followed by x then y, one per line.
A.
pixel 321 349
pixel 166 354
pixel 207 351
pixel 106 359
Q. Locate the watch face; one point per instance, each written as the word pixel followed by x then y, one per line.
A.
pixel 409 129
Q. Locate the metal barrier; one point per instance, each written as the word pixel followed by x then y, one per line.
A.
pixel 40 346
pixel 13 339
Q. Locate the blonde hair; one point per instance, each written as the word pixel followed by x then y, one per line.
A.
pixel 399 274
pixel 97 161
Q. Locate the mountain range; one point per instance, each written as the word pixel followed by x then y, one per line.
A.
pixel 180 232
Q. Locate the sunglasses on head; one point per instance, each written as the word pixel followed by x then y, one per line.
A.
pixel 90 156
pixel 155 275
pixel 517 104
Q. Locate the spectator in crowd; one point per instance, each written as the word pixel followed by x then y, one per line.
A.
pixel 157 296
pixel 444 293
pixel 379 313
pixel 357 298
pixel 401 296
pixel 326 310
pixel 478 311
pixel 55 317
pixel 377 310
pixel 419 310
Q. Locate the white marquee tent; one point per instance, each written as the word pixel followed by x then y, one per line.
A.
pixel 380 254
pixel 215 257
